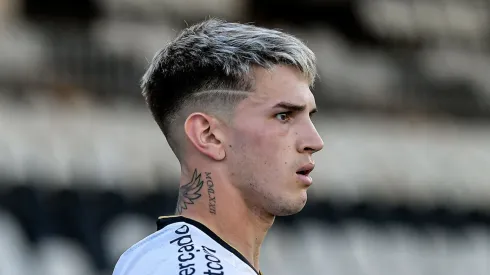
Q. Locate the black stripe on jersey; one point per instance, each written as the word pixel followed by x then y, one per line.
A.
pixel 164 221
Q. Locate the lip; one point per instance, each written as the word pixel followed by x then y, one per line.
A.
pixel 305 178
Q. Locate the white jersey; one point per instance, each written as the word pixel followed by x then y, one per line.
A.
pixel 182 246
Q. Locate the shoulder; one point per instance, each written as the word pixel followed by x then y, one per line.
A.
pixel 177 249
pixel 147 254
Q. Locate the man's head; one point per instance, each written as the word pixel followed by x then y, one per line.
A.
pixel 238 97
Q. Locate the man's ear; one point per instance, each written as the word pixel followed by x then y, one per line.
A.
pixel 204 133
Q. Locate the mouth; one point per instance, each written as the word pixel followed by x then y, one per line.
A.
pixel 304 174
pixel 306 169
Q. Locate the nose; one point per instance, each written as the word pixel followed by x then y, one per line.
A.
pixel 310 141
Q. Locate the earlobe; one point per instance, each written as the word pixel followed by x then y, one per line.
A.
pixel 203 134
pixel 221 154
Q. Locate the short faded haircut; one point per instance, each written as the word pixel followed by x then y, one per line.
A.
pixel 208 68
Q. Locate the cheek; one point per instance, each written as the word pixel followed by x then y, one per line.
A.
pixel 264 148
pixel 254 138
pixel 267 151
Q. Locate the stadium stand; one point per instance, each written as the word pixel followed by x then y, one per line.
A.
pixel 404 91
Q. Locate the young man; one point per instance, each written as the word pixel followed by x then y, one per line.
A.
pixel 235 106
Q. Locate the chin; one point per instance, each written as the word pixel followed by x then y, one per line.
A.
pixel 290 211
pixel 291 207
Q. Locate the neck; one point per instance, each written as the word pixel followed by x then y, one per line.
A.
pixel 209 197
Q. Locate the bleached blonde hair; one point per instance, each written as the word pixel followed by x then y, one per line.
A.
pixel 208 67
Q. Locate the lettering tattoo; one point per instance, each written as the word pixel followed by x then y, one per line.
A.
pixel 211 193
pixel 189 192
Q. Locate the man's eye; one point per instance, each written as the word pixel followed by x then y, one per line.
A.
pixel 283 117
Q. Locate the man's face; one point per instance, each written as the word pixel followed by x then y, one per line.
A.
pixel 272 138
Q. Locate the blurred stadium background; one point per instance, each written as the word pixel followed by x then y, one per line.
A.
pixel 402 186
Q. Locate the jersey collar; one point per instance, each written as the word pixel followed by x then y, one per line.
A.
pixel 164 221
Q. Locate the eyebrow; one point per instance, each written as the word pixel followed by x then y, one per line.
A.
pixel 293 107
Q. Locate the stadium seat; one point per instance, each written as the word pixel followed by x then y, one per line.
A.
pixel 326 248
pixel 146 39
pixel 452 64
pixel 59 256
pixel 275 252
pixel 9 11
pixel 476 251
pixel 6 154
pixel 15 254
pixel 22 48
pixel 388 18
pixel 352 75
pixel 124 231
pixel 466 19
